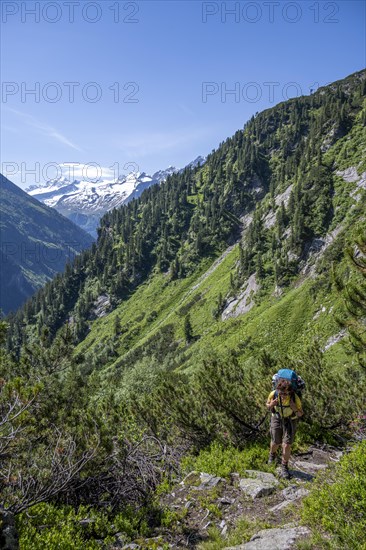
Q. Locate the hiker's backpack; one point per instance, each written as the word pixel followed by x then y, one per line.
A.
pixel 297 383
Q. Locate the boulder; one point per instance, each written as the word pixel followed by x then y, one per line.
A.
pixel 258 484
pixel 226 500
pixel 291 494
pixel 273 539
pixel 311 467
pixel 262 476
pixel 301 476
pixel 255 488
pixel 280 506
pixel 209 481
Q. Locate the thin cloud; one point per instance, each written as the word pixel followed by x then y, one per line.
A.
pixel 44 129
pixel 64 140
pixel 158 142
pixel 187 110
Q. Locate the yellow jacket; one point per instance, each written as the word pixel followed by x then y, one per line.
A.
pixel 285 402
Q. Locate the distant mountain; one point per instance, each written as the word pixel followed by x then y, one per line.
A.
pixel 84 202
pixel 36 243
pixel 196 162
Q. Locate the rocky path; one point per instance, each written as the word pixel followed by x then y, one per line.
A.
pixel 202 502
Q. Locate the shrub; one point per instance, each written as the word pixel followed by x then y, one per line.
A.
pixel 51 527
pixel 337 503
pixel 221 461
pixel 62 527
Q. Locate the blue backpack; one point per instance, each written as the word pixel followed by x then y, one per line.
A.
pixel 297 383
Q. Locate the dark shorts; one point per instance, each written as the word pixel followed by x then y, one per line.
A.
pixel 282 431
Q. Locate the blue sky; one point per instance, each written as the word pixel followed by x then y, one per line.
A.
pixel 173 65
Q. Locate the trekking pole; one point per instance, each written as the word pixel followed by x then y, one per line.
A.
pixel 282 417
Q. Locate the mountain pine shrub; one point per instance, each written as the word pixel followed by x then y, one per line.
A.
pixel 337 503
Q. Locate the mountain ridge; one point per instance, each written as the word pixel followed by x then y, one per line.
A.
pixel 36 243
pixel 85 202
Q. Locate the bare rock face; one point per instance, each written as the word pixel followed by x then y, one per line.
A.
pixel 101 306
pixel 242 303
pixel 284 197
pixel 351 175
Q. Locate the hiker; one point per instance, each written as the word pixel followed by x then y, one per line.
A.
pixel 286 408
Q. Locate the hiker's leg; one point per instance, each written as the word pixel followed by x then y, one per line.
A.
pixel 288 439
pixel 286 452
pixel 276 437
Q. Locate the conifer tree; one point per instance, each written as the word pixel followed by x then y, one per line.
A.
pixel 188 331
pixel 117 326
pixel 259 266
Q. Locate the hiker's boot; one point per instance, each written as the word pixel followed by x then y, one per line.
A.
pixel 272 459
pixel 285 474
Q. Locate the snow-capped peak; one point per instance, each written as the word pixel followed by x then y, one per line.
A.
pixel 89 200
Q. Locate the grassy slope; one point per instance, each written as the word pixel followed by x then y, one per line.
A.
pixel 280 324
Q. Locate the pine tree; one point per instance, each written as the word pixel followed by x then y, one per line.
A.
pixel 232 281
pixel 188 331
pixel 174 269
pixel 281 219
pixel 117 326
pixel 259 266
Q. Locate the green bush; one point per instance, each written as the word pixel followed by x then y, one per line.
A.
pixel 61 528
pixel 221 461
pixel 171 518
pixel 337 503
pixel 50 527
